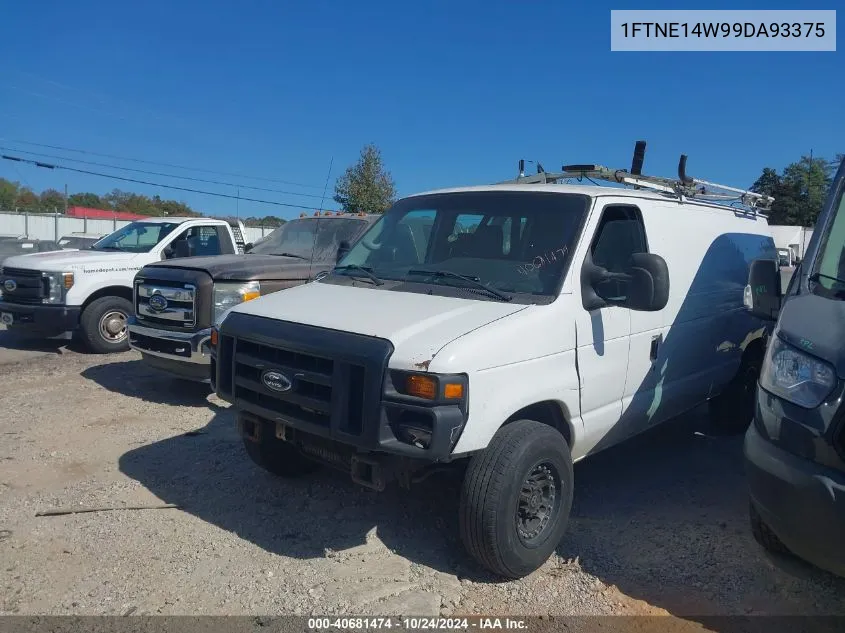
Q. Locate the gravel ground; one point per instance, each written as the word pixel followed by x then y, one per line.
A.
pixel 659 525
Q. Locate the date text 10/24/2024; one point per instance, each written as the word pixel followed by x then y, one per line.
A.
pixel 416 623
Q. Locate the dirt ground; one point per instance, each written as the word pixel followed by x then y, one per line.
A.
pixel 659 526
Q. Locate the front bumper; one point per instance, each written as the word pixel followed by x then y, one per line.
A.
pixel 183 353
pixel 41 320
pixel 802 502
pixel 340 393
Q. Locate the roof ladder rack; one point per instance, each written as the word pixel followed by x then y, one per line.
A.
pixel 681 187
pixel 238 230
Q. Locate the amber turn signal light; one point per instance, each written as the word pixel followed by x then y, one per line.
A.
pixel 453 391
pixel 213 339
pixel 422 387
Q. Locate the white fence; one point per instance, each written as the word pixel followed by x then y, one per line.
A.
pixel 52 226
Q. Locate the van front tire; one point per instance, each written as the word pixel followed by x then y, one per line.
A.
pixel 104 326
pixel 516 499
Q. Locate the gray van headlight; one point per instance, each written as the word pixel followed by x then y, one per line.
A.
pixel 795 376
pixel 229 294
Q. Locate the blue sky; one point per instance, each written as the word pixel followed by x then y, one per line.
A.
pixel 453 93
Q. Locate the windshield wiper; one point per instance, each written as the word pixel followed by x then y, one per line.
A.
pixel 109 248
pixel 816 276
pixel 473 280
pixel 368 272
pixel 288 255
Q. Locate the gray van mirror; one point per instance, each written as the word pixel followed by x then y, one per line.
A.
pixel 643 286
pixel 648 287
pixel 763 292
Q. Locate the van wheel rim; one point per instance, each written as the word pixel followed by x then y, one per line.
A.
pixel 113 326
pixel 537 503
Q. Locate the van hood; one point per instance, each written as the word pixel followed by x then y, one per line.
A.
pixel 246 267
pixel 59 261
pixel 418 325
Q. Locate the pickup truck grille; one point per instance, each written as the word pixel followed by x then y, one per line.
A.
pixel 165 303
pixel 27 286
pixel 331 382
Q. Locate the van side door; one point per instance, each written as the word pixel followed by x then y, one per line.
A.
pixel 603 341
pixel 643 400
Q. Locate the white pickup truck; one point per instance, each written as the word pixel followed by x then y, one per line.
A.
pixel 54 294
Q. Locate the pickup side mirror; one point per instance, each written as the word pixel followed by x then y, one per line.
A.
pixel 248 247
pixel 342 249
pixel 643 286
pixel 763 293
pixel 167 252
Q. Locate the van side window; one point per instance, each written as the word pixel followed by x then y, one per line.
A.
pixel 620 234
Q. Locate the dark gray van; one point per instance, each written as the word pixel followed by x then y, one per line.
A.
pixel 795 448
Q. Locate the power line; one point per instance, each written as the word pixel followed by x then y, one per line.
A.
pixel 158 173
pixel 160 164
pixel 152 184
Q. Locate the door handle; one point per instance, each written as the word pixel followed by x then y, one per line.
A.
pixel 656 340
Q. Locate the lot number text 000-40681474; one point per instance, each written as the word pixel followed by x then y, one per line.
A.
pixel 728 30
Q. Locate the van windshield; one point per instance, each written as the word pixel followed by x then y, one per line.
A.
pixel 136 237
pixel 516 242
pixel 831 258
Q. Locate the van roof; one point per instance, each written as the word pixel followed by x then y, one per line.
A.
pixel 585 190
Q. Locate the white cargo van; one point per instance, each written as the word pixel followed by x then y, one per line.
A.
pixel 523 326
pixel 90 291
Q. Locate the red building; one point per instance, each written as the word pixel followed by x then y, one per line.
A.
pixel 102 214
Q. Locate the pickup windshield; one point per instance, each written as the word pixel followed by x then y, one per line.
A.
pixel 310 237
pixel 135 237
pixel 830 271
pixel 511 242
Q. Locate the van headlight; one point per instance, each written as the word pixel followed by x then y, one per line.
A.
pixel 795 376
pixel 228 295
pixel 56 286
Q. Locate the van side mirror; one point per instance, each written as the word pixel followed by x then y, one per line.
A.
pixel 763 293
pixel 644 286
pixel 342 249
pixel 648 287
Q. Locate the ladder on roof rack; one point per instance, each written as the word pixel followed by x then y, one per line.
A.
pixel 682 187
pixel 238 230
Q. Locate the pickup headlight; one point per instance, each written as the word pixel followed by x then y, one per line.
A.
pixel 795 376
pixel 228 295
pixel 56 286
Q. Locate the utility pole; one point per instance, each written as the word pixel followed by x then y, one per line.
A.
pixel 65 198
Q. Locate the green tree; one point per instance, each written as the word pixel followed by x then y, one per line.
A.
pixel 366 186
pixel 86 199
pixel 26 200
pixel 52 200
pixel 8 194
pixel 799 191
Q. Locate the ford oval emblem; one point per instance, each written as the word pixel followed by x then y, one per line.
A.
pixel 276 381
pixel 158 303
pixel 10 285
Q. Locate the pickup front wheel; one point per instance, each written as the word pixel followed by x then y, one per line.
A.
pixel 104 325
pixel 516 498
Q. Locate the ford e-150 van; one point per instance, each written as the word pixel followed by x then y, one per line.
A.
pixel 522 326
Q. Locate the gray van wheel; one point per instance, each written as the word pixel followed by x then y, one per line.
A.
pixel 516 499
pixel 732 410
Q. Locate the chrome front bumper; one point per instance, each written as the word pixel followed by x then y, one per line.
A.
pixel 188 347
